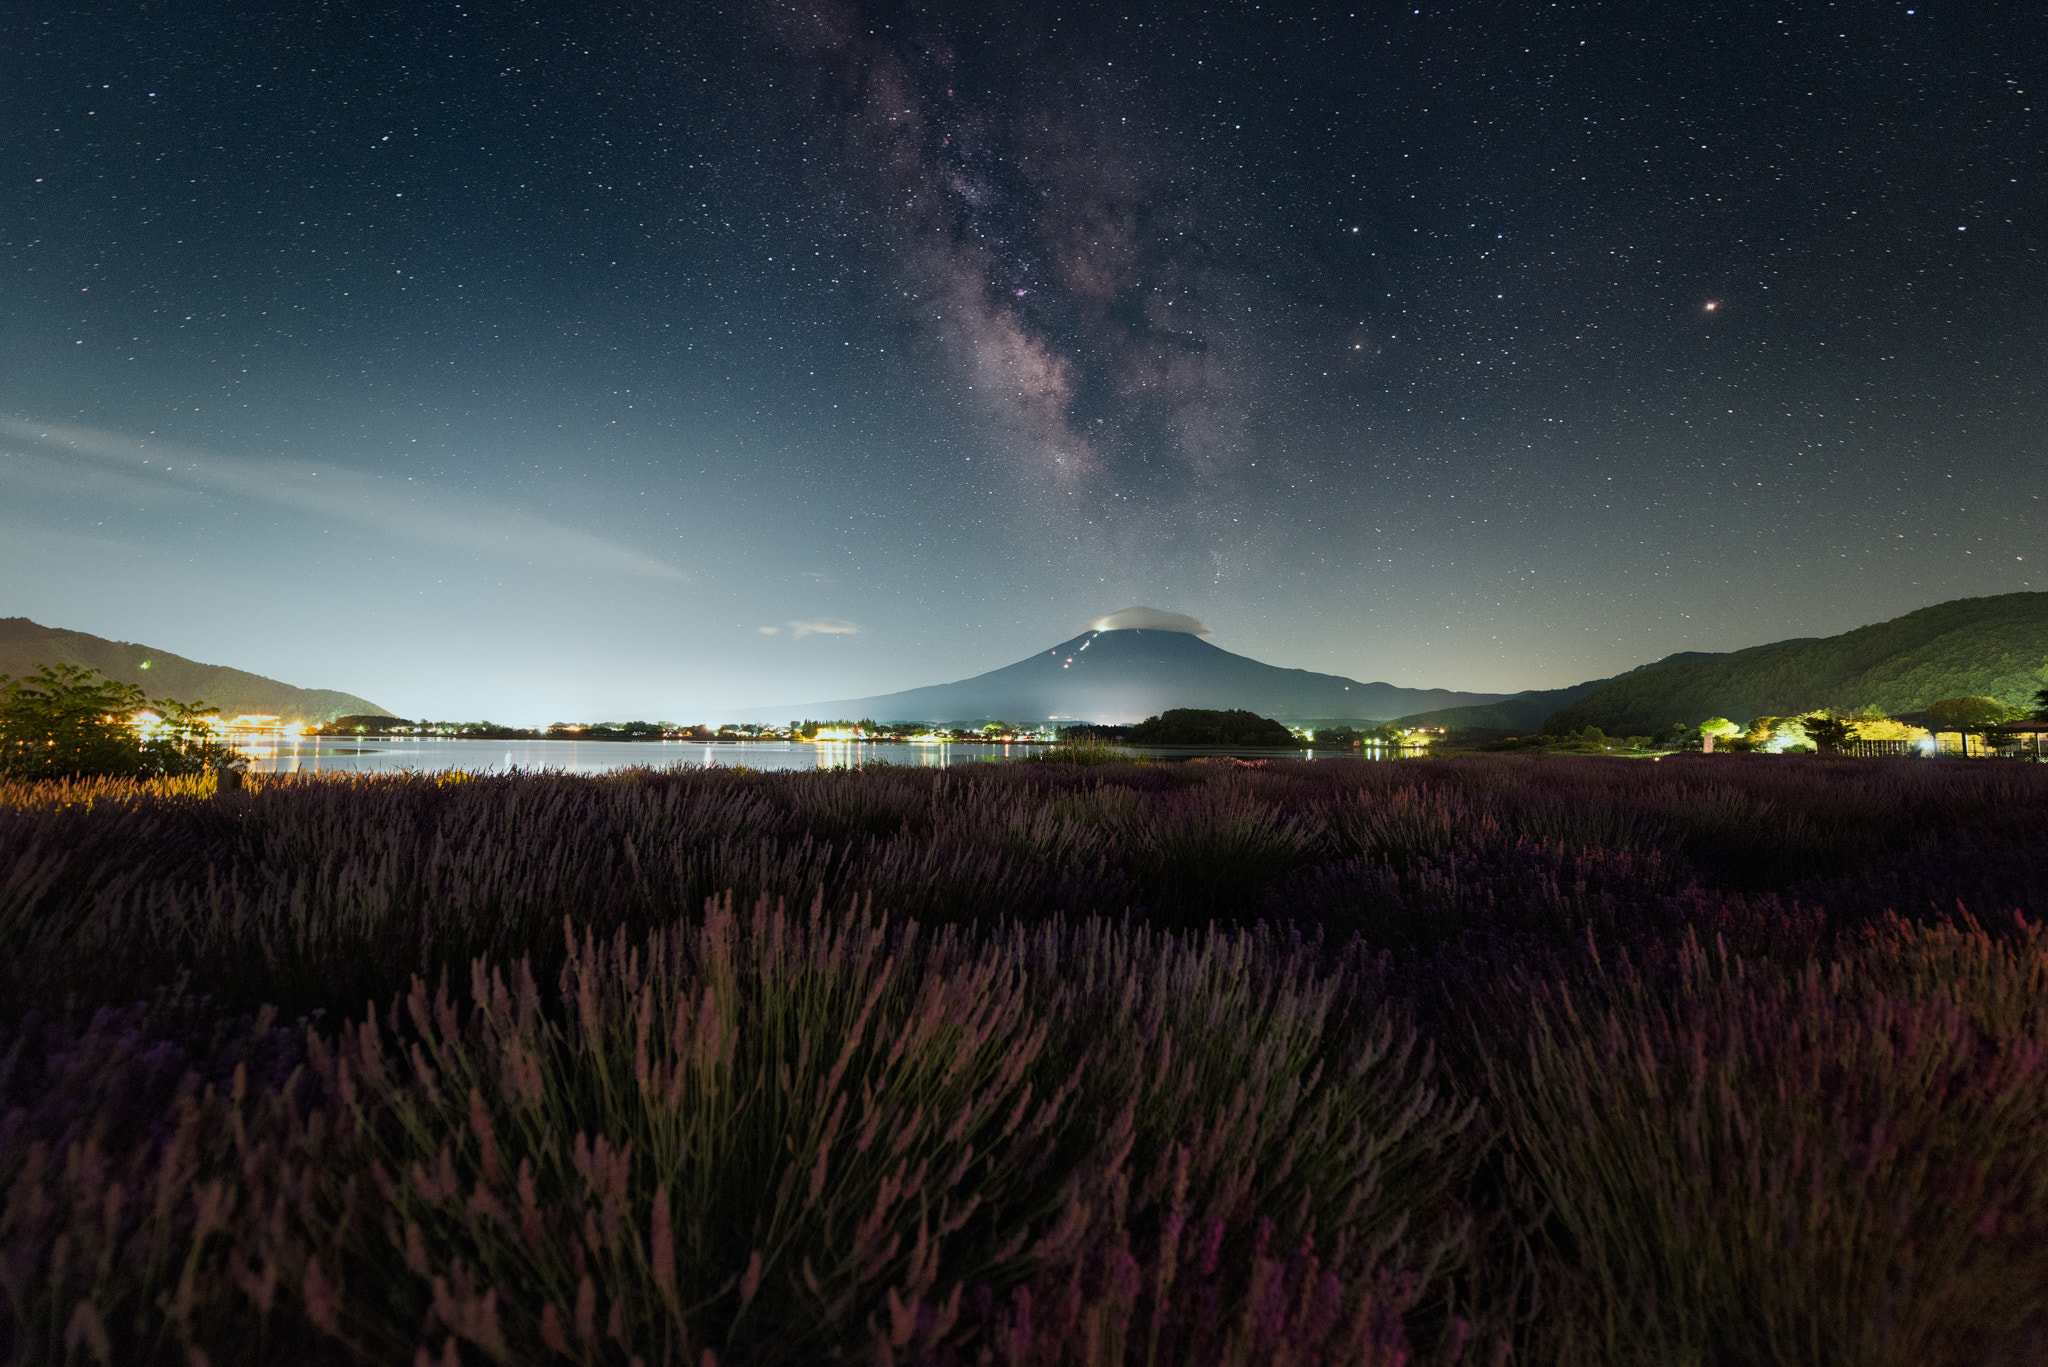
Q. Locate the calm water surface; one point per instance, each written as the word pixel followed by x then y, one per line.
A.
pixel 338 755
pixel 374 755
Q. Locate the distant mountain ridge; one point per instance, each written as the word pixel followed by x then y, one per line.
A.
pixel 1125 675
pixel 1993 647
pixel 25 644
pixel 1522 711
pixel 1527 710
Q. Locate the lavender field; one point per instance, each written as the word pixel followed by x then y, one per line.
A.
pixel 1707 1060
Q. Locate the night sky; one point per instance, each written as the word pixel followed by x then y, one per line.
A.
pixel 580 361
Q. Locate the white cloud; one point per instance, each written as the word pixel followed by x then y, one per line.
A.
pixel 769 631
pixel 1148 619
pixel 402 508
pixel 823 626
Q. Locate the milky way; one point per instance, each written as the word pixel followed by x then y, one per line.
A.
pixel 1039 247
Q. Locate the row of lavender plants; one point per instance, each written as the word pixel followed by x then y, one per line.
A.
pixel 1500 1060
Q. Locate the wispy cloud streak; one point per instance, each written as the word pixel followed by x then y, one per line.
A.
pixel 405 509
pixel 823 626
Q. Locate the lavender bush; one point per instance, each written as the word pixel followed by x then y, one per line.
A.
pixel 769 1138
pixel 1504 1059
pixel 1838 1164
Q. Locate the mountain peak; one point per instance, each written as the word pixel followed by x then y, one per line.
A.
pixel 1126 673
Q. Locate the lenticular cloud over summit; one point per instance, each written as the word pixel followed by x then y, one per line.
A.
pixel 1148 619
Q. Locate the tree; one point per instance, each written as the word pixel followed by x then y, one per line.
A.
pixel 65 721
pixel 1677 736
pixel 1870 727
pixel 1720 728
pixel 1201 726
pixel 1830 734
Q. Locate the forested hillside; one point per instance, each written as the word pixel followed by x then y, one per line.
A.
pixel 1526 711
pixel 1990 647
pixel 1523 711
pixel 25 645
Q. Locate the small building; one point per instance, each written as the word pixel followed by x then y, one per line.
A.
pixel 2029 734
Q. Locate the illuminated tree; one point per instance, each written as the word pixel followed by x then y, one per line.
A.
pixel 1775 735
pixel 1870 727
pixel 1830 734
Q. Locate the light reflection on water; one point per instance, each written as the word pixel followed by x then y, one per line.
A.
pixel 378 755
pixel 335 754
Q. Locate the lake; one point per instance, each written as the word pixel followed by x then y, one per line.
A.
pixel 378 755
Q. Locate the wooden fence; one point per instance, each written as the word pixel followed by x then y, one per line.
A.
pixel 1881 748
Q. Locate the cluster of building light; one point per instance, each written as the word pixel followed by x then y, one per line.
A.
pixel 838 735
